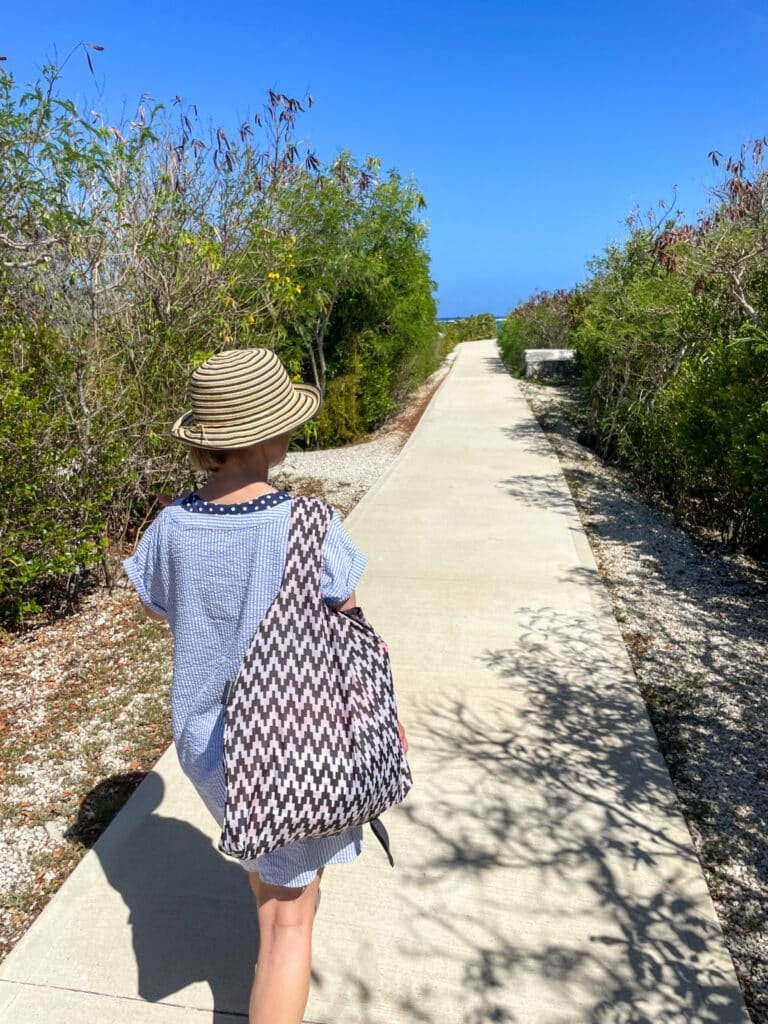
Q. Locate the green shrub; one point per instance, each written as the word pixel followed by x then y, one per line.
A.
pixel 469 328
pixel 546 320
pixel 717 414
pixel 339 420
pixel 671 333
pixel 514 339
pixel 677 370
pixel 45 540
pixel 129 255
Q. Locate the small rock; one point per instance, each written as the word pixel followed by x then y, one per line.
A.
pixel 55 828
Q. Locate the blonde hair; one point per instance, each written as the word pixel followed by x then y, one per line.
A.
pixel 207 460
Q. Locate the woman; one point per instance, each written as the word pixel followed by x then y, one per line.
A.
pixel 211 564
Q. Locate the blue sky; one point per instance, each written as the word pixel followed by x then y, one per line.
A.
pixel 531 128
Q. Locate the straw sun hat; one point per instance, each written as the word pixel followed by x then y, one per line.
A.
pixel 243 396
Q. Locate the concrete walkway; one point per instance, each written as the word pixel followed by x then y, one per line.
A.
pixel 544 873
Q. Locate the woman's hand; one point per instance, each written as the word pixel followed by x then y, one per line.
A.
pixel 403 737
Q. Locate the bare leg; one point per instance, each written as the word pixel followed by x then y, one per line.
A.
pixel 281 985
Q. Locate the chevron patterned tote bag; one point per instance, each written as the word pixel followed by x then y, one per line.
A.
pixel 311 745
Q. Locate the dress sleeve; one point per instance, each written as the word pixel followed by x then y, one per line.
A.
pixel 147 570
pixel 343 563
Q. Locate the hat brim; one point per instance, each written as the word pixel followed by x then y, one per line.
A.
pixel 304 405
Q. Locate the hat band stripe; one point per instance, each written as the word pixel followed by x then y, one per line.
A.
pixel 238 357
pixel 224 436
pixel 226 366
pixel 241 411
pixel 223 386
pixel 237 393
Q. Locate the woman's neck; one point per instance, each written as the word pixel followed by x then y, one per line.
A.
pixel 221 495
pixel 245 473
pixel 232 484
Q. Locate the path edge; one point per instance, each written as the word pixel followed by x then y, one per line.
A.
pixel 374 489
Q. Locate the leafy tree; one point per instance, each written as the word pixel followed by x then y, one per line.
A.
pixel 673 337
pixel 131 252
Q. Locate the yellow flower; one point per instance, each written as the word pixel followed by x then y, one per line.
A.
pixel 298 289
pixel 251 319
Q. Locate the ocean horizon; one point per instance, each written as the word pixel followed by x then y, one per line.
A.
pixel 450 319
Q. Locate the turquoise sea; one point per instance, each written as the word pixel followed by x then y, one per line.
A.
pixel 449 319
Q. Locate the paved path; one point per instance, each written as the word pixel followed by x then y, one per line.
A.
pixel 545 875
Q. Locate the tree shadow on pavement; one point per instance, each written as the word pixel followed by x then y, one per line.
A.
pixel 546 798
pixel 708 706
pixel 494 364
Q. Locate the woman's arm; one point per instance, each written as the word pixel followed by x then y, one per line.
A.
pixel 351 602
pixel 152 614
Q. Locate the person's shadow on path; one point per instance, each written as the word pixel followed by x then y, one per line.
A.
pixel 192 912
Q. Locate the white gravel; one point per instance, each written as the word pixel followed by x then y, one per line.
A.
pixel 342 475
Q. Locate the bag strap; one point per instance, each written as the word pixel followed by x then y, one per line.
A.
pixel 383 837
pixel 310 520
pixel 308 525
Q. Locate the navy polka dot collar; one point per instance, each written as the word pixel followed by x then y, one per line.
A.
pixel 194 503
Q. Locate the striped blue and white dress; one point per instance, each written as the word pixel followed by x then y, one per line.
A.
pixel 213 570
